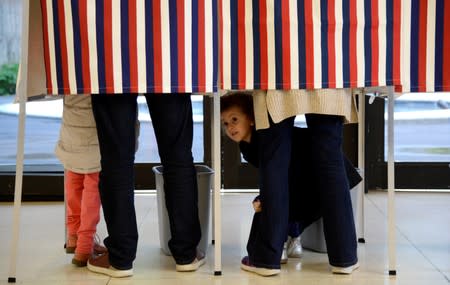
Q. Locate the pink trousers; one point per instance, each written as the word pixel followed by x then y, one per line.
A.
pixel 82 208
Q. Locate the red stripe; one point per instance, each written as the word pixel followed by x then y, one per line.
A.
pixel 375 42
pixel 201 46
pixel 63 47
pixel 286 42
pixel 446 49
pixel 48 71
pixel 181 56
pixel 109 67
pixel 241 44
pixel 263 45
pixel 132 38
pixel 331 45
pixel 396 43
pixel 353 44
pixel 422 60
pixel 84 46
pixel 309 43
pixel 157 52
pixel 221 42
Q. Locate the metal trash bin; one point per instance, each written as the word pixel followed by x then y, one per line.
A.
pixel 204 177
pixel 313 238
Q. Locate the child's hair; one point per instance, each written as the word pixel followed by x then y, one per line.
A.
pixel 242 100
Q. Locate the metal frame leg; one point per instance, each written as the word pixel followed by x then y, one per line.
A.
pixel 361 165
pixel 391 183
pixel 215 155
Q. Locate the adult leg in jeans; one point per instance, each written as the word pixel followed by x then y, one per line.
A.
pixel 172 121
pixel 115 116
pixel 274 156
pixel 334 194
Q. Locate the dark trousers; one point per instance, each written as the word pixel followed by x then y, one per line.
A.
pixel 171 114
pixel 269 227
pixel 334 195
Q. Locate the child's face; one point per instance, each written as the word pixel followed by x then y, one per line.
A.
pixel 237 124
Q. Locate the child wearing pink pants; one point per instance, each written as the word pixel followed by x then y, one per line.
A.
pixel 78 151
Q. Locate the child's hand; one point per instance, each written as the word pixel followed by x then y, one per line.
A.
pixel 257 205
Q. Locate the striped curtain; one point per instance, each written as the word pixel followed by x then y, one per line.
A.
pixel 130 46
pixel 425 45
pixel 309 44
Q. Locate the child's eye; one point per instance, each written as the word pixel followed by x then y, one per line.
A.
pixel 234 120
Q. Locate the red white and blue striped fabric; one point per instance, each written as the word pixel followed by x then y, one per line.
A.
pixel 297 44
pixel 130 46
pixel 425 45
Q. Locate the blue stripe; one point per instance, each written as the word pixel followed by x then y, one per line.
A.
pixel 415 14
pixel 301 44
pixel 389 41
pixel 77 46
pixel 194 46
pixel 278 46
pixel 58 59
pixel 99 10
pixel 149 63
pixel 215 44
pixel 439 45
pixel 234 45
pixel 368 43
pixel 173 19
pixel 346 42
pixel 125 45
pixel 256 46
pixel 324 39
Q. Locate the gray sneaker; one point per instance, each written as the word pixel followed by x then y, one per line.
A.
pixel 294 247
pixel 198 261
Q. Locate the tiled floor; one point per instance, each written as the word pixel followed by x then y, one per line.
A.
pixel 423 247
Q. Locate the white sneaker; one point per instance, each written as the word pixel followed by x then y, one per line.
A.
pixel 345 270
pixel 284 255
pixel 294 247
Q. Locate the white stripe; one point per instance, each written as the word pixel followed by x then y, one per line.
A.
pixel 209 60
pixel 226 44
pixel 70 47
pixel 140 43
pixel 165 46
pixel 271 62
pixel 317 44
pixel 338 43
pixel 116 46
pixel 360 44
pixel 92 41
pixel 249 57
pixel 293 29
pixel 405 46
pixel 382 43
pixel 188 45
pixel 51 47
pixel 431 38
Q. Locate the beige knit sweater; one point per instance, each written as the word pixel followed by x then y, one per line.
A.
pixel 280 104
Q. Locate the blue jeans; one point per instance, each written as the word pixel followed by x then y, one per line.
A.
pixel 171 114
pixel 269 227
pixel 334 194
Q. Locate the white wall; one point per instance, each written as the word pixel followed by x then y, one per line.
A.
pixel 10 30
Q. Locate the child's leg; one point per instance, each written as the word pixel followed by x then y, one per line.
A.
pixel 293 229
pixel 73 185
pixel 90 214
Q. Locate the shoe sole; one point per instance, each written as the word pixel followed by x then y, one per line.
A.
pixel 110 271
pixel 191 266
pixel 260 271
pixel 344 270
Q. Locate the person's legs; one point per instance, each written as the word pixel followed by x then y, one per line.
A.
pixel 73 185
pixel 172 121
pixel 339 227
pixel 115 116
pixel 90 214
pixel 274 157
